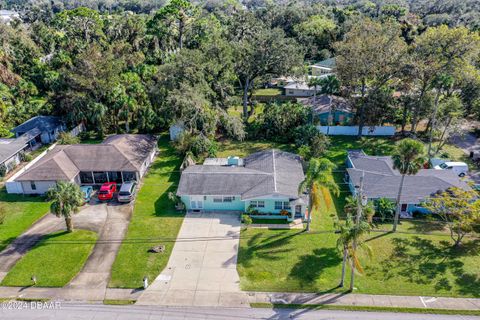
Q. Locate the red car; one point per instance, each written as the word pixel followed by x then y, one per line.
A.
pixel 107 190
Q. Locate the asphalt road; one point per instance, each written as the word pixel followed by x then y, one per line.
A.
pixel 102 312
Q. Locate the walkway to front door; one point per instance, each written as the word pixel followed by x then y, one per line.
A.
pixel 202 268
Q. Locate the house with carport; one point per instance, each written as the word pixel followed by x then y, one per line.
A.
pixel 120 158
pixel 267 182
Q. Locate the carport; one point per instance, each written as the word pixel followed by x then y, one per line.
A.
pixel 99 177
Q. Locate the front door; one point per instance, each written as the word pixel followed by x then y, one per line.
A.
pixel 196 202
pixel 404 207
pixel 298 211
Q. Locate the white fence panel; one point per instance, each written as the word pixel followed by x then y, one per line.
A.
pixel 77 130
pixel 353 130
pixel 16 187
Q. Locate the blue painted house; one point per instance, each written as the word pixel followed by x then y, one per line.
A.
pixel 381 180
pixel 266 181
pixel 330 109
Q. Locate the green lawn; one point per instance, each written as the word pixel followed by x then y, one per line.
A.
pixel 407 263
pixel 20 213
pixel 154 222
pixel 267 92
pixel 237 111
pixel 54 261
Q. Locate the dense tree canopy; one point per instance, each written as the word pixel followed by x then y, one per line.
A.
pixel 142 65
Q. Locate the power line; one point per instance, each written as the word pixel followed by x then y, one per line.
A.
pixel 224 238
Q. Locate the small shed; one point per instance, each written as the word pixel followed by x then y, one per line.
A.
pixel 176 130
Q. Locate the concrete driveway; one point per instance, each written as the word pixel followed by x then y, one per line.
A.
pixel 91 282
pixel 109 220
pixel 201 270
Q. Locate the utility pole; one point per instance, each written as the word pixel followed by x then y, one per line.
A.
pixel 357 224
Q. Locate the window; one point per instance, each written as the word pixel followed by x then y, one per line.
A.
pixel 32 185
pixel 257 204
pixel 282 205
pixel 220 199
pixel 278 205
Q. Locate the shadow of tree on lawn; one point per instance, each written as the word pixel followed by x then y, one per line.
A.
pixel 423 261
pixel 265 247
pixel 311 266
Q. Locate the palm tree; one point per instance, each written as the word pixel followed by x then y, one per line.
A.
pixel 330 85
pixel 349 242
pixel 66 197
pixel 314 82
pixel 408 159
pixel 351 206
pixel 319 175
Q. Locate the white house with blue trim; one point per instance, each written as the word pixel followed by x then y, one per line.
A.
pixel 381 180
pixel 267 181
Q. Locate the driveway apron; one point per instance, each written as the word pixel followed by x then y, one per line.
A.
pixel 21 245
pixel 202 269
pixel 92 280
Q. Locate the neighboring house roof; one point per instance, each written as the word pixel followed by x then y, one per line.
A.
pixel 265 173
pixel 327 63
pixel 381 180
pixel 117 153
pixel 8 15
pixel 299 85
pixel 325 103
pixel 10 147
pixel 42 123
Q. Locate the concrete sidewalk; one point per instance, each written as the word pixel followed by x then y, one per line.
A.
pixel 337 299
pixel 345 299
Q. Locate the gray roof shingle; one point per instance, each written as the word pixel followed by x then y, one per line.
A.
pixel 326 103
pixel 43 123
pixel 264 173
pixel 116 153
pixel 382 181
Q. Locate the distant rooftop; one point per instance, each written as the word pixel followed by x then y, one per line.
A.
pixel 8 15
pixel 327 63
pixel 42 123
pixel 325 103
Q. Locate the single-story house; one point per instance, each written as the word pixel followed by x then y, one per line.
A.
pixel 119 158
pixel 300 89
pixel 381 180
pixel 45 128
pixel 266 181
pixel 331 110
pixel 11 151
pixel 324 67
